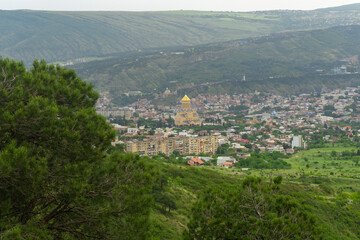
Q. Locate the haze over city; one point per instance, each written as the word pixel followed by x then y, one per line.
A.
pixel 161 5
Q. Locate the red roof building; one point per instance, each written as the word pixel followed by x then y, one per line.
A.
pixel 195 161
pixel 226 164
pixel 244 141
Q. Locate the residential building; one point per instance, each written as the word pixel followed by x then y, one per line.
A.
pixel 184 145
pixel 298 141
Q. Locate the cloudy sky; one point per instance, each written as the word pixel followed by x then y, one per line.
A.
pixel 153 5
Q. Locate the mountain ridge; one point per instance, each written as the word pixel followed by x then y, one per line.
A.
pixel 286 56
pixel 62 36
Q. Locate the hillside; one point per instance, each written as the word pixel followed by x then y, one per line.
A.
pixel 333 199
pixel 297 58
pixel 61 36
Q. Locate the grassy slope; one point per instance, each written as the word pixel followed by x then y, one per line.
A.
pixel 184 185
pixel 57 36
pixel 283 56
pixel 332 199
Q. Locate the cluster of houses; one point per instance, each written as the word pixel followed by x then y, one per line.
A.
pixel 261 121
pixel 215 109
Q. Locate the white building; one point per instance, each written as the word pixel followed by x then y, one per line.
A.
pixel 298 141
pixel 223 159
pixel 132 130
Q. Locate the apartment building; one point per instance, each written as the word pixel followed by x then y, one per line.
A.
pixel 184 145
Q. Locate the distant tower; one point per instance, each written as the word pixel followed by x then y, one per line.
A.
pixel 185 103
pixel 244 78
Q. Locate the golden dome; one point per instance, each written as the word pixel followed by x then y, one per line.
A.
pixel 185 99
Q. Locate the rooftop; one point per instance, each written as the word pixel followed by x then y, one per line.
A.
pixel 185 99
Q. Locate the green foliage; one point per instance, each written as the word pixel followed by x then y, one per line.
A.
pixel 56 179
pixel 225 149
pixel 255 210
pixel 175 188
pixel 328 109
pixel 315 193
pixel 265 160
pixel 155 123
pixel 162 195
pixel 317 141
pixel 238 108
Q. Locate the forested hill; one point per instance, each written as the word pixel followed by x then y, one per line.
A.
pixel 61 36
pixel 279 58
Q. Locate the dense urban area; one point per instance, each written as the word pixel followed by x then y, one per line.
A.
pixel 238 124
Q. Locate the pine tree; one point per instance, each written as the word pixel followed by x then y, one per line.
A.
pixel 56 179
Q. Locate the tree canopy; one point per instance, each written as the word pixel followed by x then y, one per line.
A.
pixel 254 210
pixel 56 179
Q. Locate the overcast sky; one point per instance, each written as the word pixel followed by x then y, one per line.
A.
pixel 153 5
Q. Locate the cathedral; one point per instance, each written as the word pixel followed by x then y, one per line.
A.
pixel 187 116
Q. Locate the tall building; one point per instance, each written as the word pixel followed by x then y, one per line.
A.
pixel 184 145
pixel 298 141
pixel 187 116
